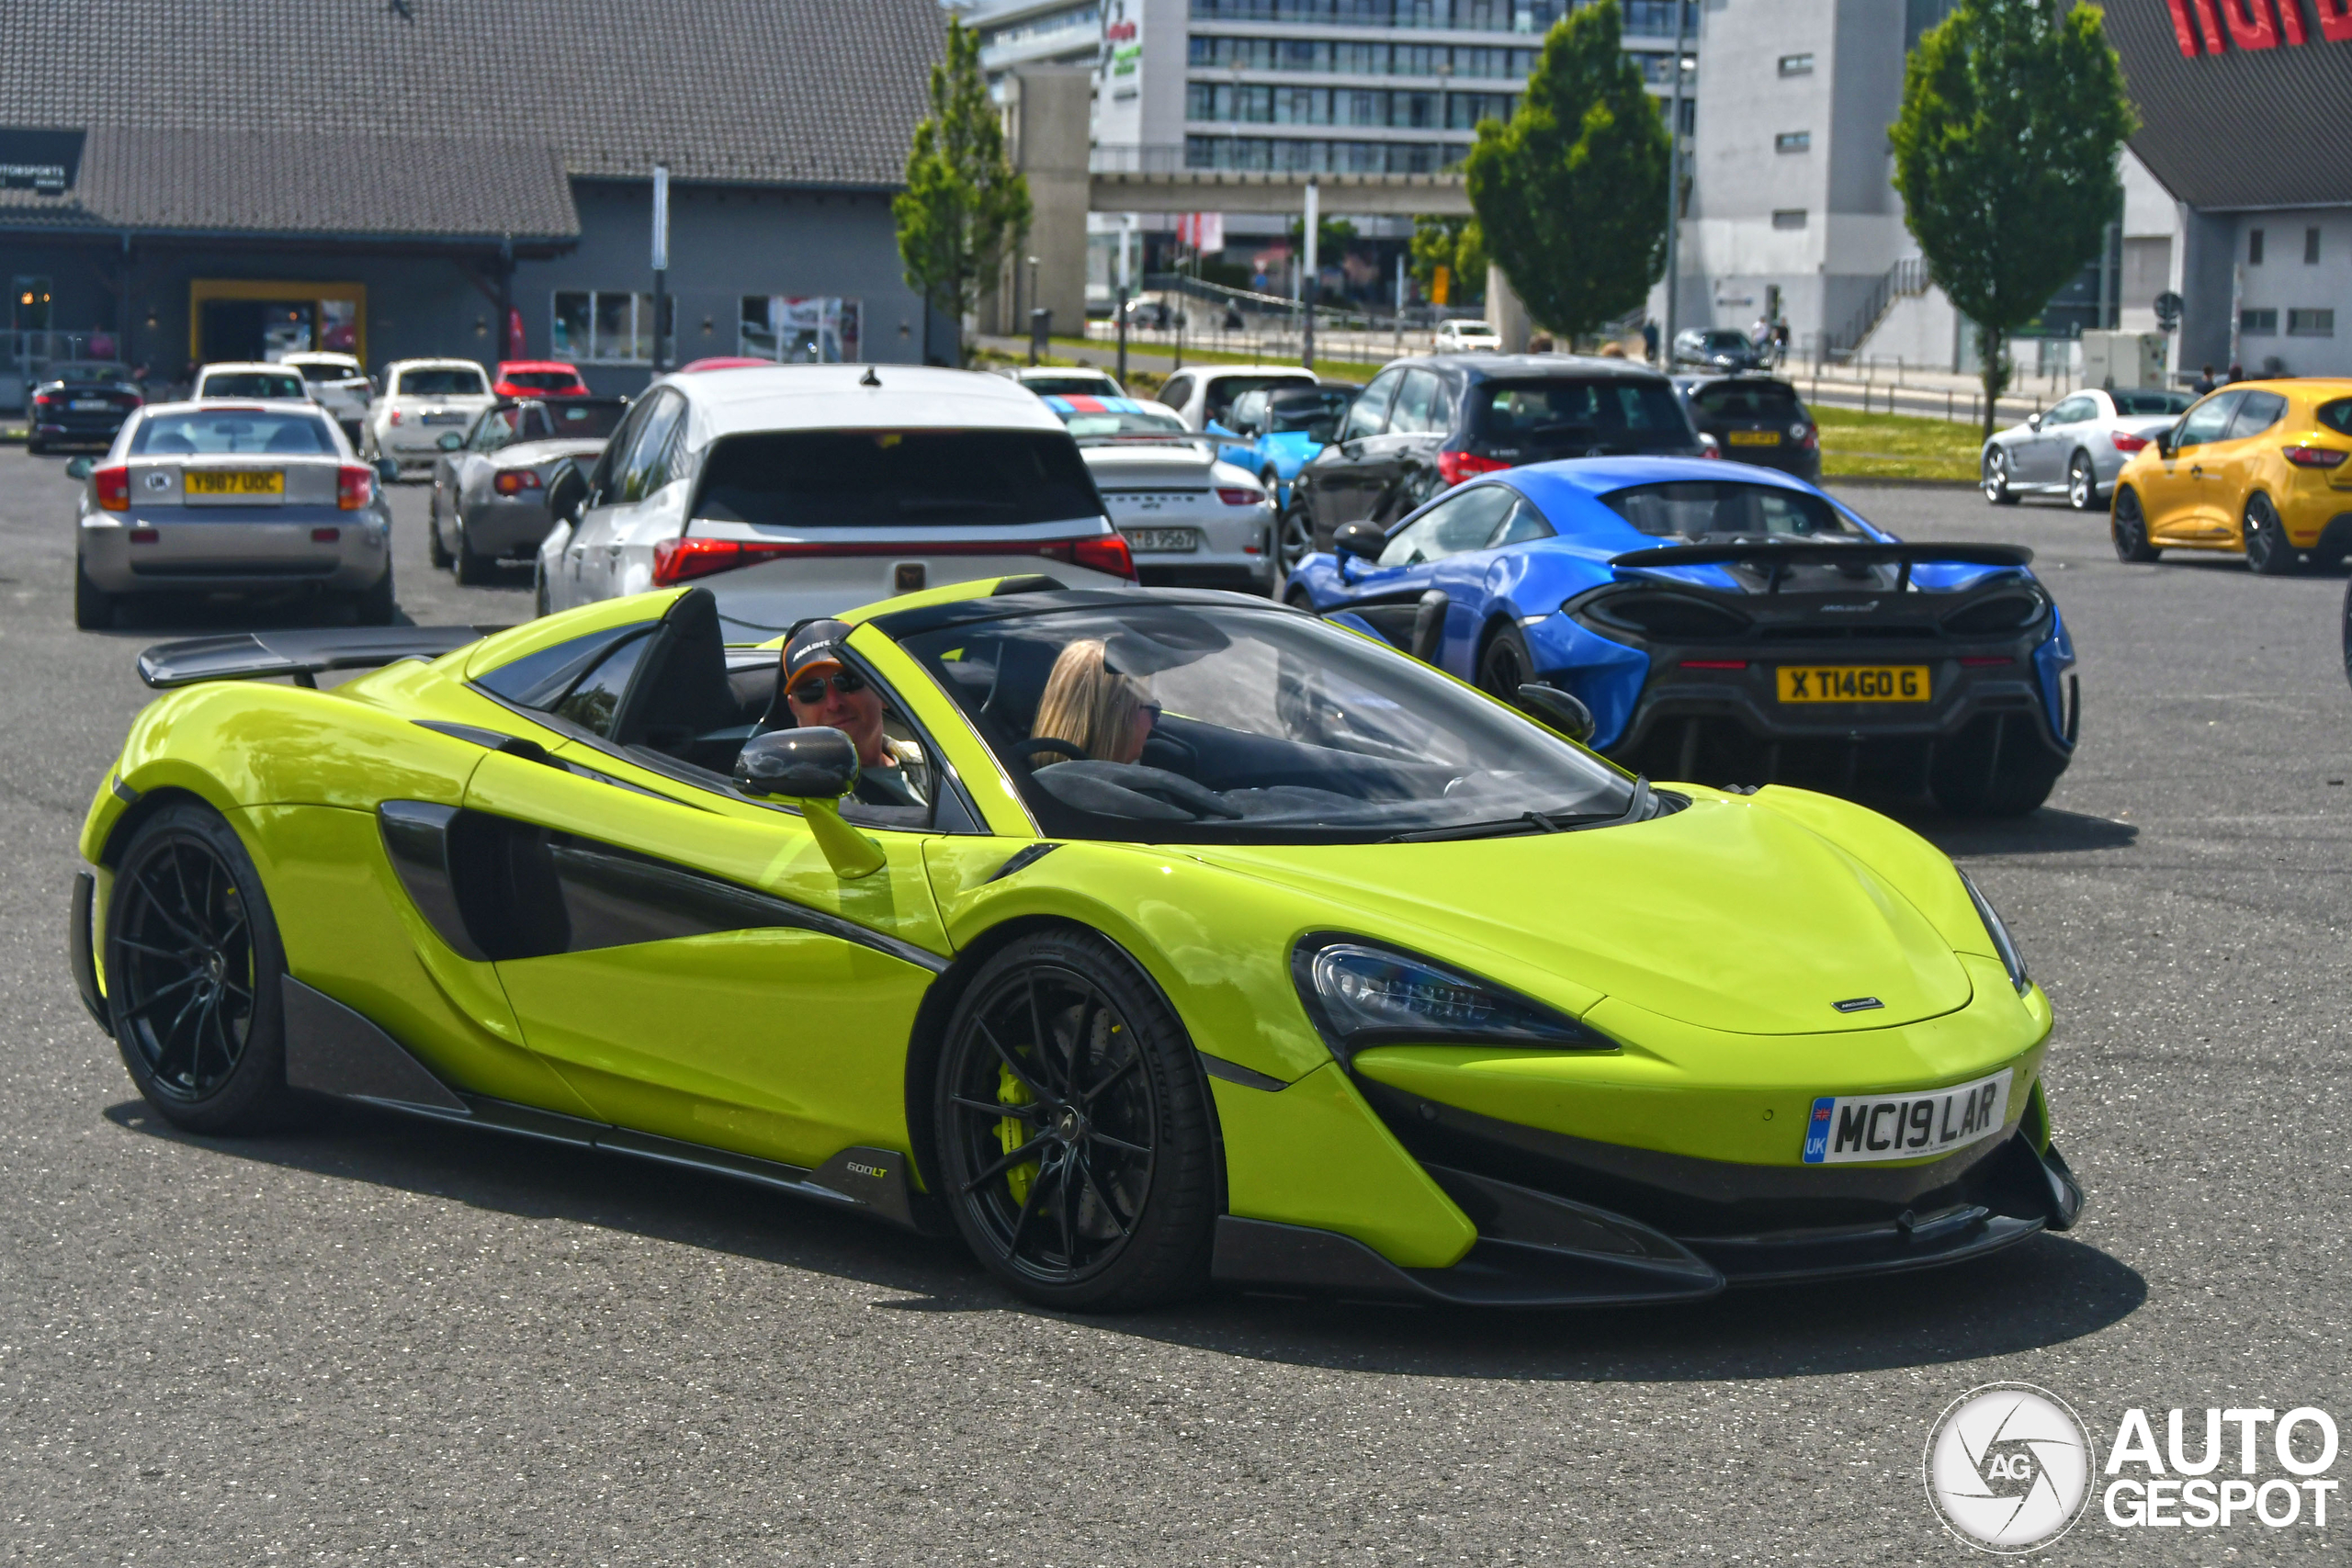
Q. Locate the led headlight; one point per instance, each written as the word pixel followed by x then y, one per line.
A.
pixel 2003 944
pixel 1364 996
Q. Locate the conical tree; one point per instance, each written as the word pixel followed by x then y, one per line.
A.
pixel 965 208
pixel 1571 193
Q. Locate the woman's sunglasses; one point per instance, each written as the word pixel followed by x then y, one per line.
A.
pixel 813 690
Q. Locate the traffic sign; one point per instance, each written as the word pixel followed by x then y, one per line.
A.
pixel 2167 310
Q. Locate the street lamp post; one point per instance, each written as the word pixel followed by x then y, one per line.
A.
pixel 1674 184
pixel 1033 309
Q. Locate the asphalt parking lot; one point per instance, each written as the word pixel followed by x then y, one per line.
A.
pixel 373 1342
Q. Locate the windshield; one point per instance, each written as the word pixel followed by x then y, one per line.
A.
pixel 586 421
pixel 1746 399
pixel 543 380
pixel 252 384
pixel 879 478
pixel 316 372
pixel 1722 339
pixel 1063 386
pixel 1224 388
pixel 2151 402
pixel 1305 410
pixel 113 374
pixel 1622 413
pixel 191 435
pixel 461 382
pixel 1104 418
pixel 1184 723
pixel 1707 510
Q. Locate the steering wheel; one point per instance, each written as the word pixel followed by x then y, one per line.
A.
pixel 1053 743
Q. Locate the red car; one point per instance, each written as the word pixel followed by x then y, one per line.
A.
pixel 538 378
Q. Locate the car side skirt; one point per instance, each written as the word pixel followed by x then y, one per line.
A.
pixel 335 1051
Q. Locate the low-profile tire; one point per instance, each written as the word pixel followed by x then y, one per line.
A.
pixel 1977 784
pixel 1996 478
pixel 2268 551
pixel 93 605
pixel 435 550
pixel 1074 1138
pixel 1295 531
pixel 1505 665
pixel 2128 527
pixel 2082 482
pixel 374 606
pixel 474 568
pixel 193 968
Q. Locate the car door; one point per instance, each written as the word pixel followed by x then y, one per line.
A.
pixel 2181 509
pixel 1399 468
pixel 1387 593
pixel 2042 457
pixel 1333 482
pixel 613 504
pixel 684 954
pixel 2233 463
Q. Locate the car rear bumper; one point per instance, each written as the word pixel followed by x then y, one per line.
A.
pixel 496 525
pixel 239 555
pixel 96 428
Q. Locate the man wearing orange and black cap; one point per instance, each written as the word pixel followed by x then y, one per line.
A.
pixel 826 692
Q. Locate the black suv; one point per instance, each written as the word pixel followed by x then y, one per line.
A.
pixel 1755 419
pixel 1426 425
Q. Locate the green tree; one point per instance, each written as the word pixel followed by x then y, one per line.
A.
pixel 1571 193
pixel 965 208
pixel 1454 244
pixel 2004 151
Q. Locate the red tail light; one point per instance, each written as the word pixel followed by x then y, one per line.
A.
pixel 2127 442
pixel 1107 555
pixel 2314 456
pixel 42 400
pixel 354 486
pixel 1714 664
pixel 113 485
pixel 1455 466
pixel 683 560
pixel 396 416
pixel 1238 497
pixel 515 481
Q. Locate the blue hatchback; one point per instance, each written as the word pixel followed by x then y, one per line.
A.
pixel 1726 624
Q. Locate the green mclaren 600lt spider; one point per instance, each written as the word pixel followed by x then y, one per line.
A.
pixel 1142 938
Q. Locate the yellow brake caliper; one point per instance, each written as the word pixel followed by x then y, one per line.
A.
pixel 1012 1132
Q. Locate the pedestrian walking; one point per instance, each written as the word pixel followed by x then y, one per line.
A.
pixel 1650 340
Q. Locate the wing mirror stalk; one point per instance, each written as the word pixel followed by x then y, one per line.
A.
pixel 1555 709
pixel 812 769
pixel 79 469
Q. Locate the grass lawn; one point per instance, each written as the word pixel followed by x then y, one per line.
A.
pixel 1894 447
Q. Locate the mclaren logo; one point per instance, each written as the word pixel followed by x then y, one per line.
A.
pixel 1857 1004
pixel 1850 609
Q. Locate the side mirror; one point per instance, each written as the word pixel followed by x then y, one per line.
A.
pixel 79 469
pixel 1363 539
pixel 388 470
pixel 812 768
pixel 450 441
pixel 1552 706
pixel 566 492
pixel 2033 421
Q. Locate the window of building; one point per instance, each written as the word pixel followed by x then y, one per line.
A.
pixel 798 329
pixel 1792 141
pixel 1788 218
pixel 2257 324
pixel 2311 247
pixel 594 327
pixel 2253 247
pixel 1796 66
pixel 2311 324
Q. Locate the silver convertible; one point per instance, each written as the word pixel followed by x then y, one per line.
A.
pixel 492 481
pixel 2078 447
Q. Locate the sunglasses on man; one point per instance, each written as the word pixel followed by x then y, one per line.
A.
pixel 811 692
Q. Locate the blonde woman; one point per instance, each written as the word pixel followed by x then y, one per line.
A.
pixel 1106 715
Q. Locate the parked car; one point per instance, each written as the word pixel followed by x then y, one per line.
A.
pixel 1280 429
pixel 1190 520
pixel 1157 313
pixel 1427 424
pixel 1066 381
pixel 249 382
pixel 2078 447
pixel 1716 348
pixel 820 486
pixel 1727 625
pixel 1467 337
pixel 2257 467
pixel 206 497
pixel 537 378
pixel 339 385
pixel 423 400
pixel 1202 396
pixel 78 402
pixel 490 483
pixel 1755 418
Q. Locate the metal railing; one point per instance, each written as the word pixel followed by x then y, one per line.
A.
pixel 1905 279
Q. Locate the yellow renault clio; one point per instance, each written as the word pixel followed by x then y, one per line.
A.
pixel 2259 467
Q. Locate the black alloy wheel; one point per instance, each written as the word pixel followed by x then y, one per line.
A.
pixel 2267 549
pixel 1997 478
pixel 2128 529
pixel 1505 665
pixel 1295 531
pixel 193 965
pixel 1073 1127
pixel 2082 482
pixel 474 568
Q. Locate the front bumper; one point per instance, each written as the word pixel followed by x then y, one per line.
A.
pixel 241 549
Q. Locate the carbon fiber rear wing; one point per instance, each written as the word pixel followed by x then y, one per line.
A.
pixel 1774 559
pixel 300 653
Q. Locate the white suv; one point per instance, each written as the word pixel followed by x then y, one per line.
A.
pixel 250 381
pixel 819 487
pixel 422 398
pixel 338 385
pixel 1202 397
